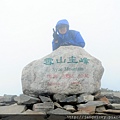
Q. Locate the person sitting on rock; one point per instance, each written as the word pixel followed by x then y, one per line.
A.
pixel 65 37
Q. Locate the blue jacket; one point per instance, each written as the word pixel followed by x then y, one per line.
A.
pixel 71 37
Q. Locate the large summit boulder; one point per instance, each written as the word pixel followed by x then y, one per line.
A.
pixel 67 70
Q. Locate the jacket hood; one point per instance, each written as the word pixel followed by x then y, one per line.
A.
pixel 62 22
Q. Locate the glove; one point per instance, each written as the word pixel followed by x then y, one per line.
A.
pixel 55 35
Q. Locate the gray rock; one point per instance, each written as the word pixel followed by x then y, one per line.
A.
pixel 2 104
pixel 25 99
pixel 85 98
pixel 100 109
pixel 33 112
pixel 12 109
pixel 69 108
pixel 57 105
pixel 59 111
pixel 67 70
pixel 115 101
pixel 70 99
pixel 111 93
pixel 95 103
pixel 112 98
pixel 91 103
pixel 116 106
pixel 45 99
pixel 58 97
pixel 9 98
pixel 1 99
pixel 43 107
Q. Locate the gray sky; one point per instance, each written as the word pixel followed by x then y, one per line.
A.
pixel 26 35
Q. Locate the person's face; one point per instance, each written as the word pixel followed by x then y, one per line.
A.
pixel 62 29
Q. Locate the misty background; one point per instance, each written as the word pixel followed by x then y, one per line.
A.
pixel 26 35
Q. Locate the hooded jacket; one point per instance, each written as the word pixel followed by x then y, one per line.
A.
pixel 71 37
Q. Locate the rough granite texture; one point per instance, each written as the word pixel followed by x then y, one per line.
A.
pixel 67 70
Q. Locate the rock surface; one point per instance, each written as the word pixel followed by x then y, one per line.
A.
pixel 12 109
pixel 25 99
pixel 66 106
pixel 67 70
